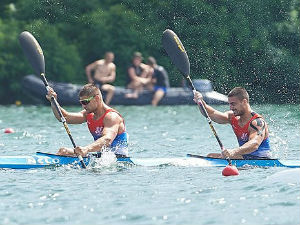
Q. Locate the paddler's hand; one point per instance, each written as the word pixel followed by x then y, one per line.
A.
pixel 66 151
pixel 83 151
pixel 51 93
pixel 229 153
pixel 198 97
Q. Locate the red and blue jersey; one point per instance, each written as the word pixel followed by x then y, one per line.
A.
pixel 242 134
pixel 119 144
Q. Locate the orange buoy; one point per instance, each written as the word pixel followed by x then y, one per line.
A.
pixel 9 130
pixel 230 170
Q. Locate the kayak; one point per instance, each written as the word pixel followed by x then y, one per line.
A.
pixel 249 162
pixel 42 160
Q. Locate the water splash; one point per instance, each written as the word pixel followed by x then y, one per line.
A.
pixel 108 159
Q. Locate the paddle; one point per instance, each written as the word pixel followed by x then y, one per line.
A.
pixel 34 54
pixel 179 57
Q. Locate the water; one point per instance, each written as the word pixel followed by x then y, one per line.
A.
pixel 165 194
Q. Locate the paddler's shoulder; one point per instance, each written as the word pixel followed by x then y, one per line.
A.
pixel 85 114
pixel 229 115
pixel 112 116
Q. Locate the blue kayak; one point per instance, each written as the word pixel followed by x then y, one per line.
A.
pixel 249 162
pixel 43 160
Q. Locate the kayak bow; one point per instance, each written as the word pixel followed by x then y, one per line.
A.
pixel 42 160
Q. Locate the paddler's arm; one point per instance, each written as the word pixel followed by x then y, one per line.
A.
pixel 215 115
pixel 111 126
pixel 71 118
pixel 257 130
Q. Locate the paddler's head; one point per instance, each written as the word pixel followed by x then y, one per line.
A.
pixel 238 99
pixel 90 97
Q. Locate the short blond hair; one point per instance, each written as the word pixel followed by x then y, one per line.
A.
pixel 89 90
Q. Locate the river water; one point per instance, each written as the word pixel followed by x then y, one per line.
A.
pixel 164 194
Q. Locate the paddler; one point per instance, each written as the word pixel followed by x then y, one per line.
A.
pixel 249 127
pixel 105 124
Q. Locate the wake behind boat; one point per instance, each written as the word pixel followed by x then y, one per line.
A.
pixel 46 160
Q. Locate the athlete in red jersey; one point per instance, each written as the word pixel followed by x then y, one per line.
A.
pixel 105 124
pixel 250 128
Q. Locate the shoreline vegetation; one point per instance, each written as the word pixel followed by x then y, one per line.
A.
pixel 254 44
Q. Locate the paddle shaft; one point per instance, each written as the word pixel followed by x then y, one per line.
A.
pixel 62 119
pixel 204 112
pixel 179 57
pixel 34 54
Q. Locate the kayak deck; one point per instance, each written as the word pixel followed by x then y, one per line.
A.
pixel 249 162
pixel 42 160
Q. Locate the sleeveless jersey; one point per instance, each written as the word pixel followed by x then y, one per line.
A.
pixel 119 144
pixel 242 135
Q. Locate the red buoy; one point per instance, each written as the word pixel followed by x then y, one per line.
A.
pixel 230 170
pixel 9 130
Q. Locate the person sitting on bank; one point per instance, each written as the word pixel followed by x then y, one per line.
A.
pixel 104 73
pixel 249 127
pixel 106 125
pixel 160 80
pixel 139 76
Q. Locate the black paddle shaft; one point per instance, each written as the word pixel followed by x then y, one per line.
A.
pixel 179 57
pixel 204 112
pixel 34 54
pixel 56 105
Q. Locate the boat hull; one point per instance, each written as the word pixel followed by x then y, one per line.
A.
pixel 46 160
pixel 249 162
pixel 43 160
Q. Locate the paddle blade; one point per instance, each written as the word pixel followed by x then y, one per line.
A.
pixel 33 52
pixel 176 51
pixel 230 170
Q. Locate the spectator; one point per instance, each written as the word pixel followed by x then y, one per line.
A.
pixel 104 72
pixel 139 76
pixel 160 79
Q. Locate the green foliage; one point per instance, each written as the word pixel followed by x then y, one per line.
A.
pixel 12 64
pixel 63 61
pixel 233 43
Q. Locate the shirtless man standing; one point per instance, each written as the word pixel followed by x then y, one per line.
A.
pixel 104 73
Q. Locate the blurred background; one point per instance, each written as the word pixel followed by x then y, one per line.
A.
pixel 250 43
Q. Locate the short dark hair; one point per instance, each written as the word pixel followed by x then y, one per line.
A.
pixel 89 90
pixel 151 61
pixel 240 93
